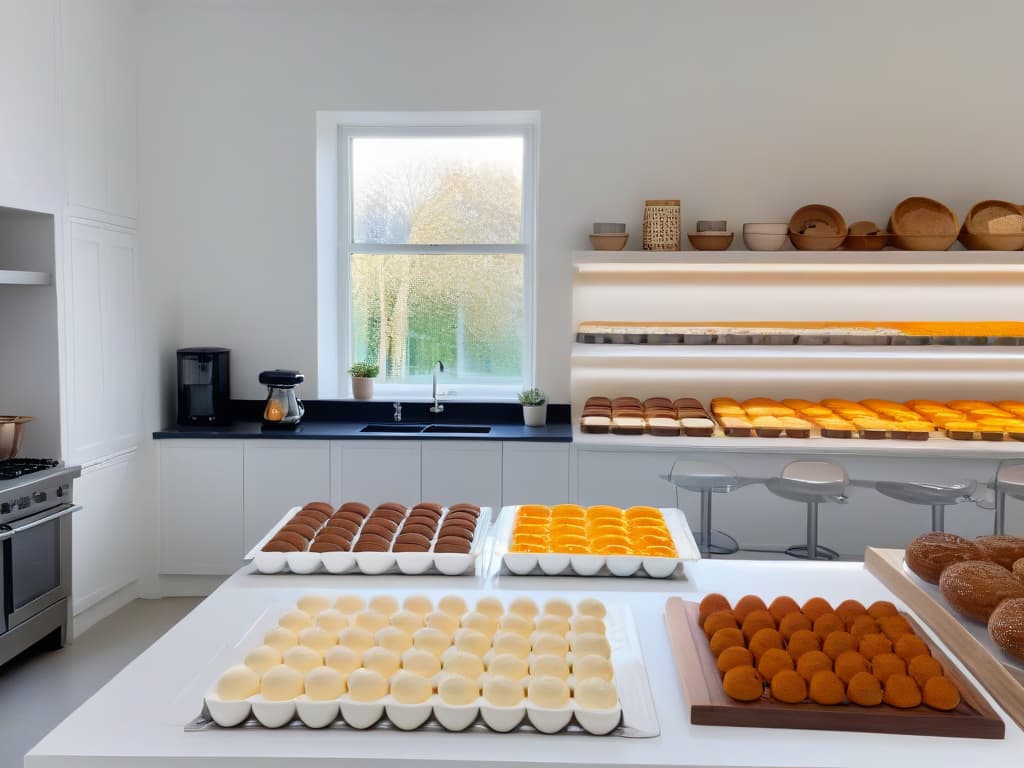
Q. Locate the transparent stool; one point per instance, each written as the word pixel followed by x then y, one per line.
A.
pixel 938 496
pixel 811 483
pixel 1009 482
pixel 707 478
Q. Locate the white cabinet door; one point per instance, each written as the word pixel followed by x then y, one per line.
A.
pixel 280 474
pixel 625 478
pixel 200 506
pixel 534 473
pixel 467 471
pixel 375 471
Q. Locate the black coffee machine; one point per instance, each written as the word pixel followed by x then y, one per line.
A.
pixel 204 386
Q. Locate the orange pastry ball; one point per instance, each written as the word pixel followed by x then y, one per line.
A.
pixel 755 621
pixel 773 661
pixel 826 624
pixel 726 638
pixel 885 665
pixel 719 620
pixel 816 606
pixel 764 639
pixel 802 641
pixel 788 687
pixel 864 689
pixel 811 663
pixel 848 610
pixel 791 622
pixel 908 646
pixel 837 642
pixel 743 684
pixel 873 644
pixel 849 663
pixel 783 605
pixel 827 688
pixel 894 626
pixel 923 668
pixel 734 656
pixel 864 625
pixel 901 691
pixel 711 603
pixel 881 608
pixel 746 604
pixel 939 693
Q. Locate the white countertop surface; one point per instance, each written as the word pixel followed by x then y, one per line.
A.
pixel 138 718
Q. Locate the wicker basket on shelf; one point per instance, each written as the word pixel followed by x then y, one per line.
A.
pixel 661 225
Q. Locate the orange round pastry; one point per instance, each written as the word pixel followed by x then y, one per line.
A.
pixel 873 644
pixel 763 640
pixel 816 606
pixel 837 642
pixel 788 687
pixel 828 623
pixel 791 622
pixel 812 662
pixel 746 604
pixel 908 646
pixel 923 668
pixel 884 665
pixel 848 610
pixel 734 656
pixel 719 620
pixel 802 641
pixel 864 625
pixel 743 684
pixel 773 661
pixel 783 605
pixel 726 638
pixel 881 608
pixel 939 693
pixel 865 690
pixel 827 688
pixel 849 663
pixel 894 627
pixel 757 620
pixel 901 691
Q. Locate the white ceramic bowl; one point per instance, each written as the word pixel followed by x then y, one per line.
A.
pixel 455 717
pixel 408 717
pixel 599 721
pixel 361 714
pixel 227 714
pixel 502 719
pixel 317 714
pixel 548 720
pixel 766 228
pixel 273 714
pixel 763 241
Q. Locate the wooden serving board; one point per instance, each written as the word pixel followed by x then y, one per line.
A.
pixel 709 705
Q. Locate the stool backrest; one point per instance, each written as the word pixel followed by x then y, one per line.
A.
pixel 824 477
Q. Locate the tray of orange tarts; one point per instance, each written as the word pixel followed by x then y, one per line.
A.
pixel 601 540
pixel 817 667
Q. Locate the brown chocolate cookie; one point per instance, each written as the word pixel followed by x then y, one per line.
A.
pixel 387 514
pixel 306 531
pixel 355 506
pixel 411 542
pixel 452 544
pixel 371 542
pixel 463 507
pixel 299 542
pixel 420 529
pixel 454 530
pixel 338 523
pixel 424 516
pixel 327 546
pixel 467 517
pixel 320 506
pixel 347 514
pixel 380 529
pixel 311 519
pixel 275 545
pixel 429 505
pixel 393 505
pixel 382 522
pixel 328 538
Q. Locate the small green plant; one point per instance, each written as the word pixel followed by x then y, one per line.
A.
pixel 364 370
pixel 533 396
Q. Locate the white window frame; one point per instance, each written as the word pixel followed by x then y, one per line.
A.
pixel 341 128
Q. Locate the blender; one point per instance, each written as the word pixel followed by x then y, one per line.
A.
pixel 283 409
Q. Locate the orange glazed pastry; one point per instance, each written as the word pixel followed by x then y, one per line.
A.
pixel 901 691
pixel 837 642
pixel 923 668
pixel 848 664
pixel 873 644
pixel 864 625
pixel 811 663
pixel 712 603
pixel 802 641
pixel 726 638
pixel 940 693
pixel 746 604
pixel 788 687
pixel 791 622
pixel 763 640
pixel 885 665
pixel 773 661
pixel 848 610
pixel 881 608
pixel 864 689
pixel 827 688
pixel 894 627
pixel 816 606
pixel 743 684
pixel 783 605
pixel 734 657
pixel 719 620
pixel 756 620
pixel 826 624
pixel 908 646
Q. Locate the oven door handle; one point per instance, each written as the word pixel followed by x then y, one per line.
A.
pixel 5 532
pixel 48 519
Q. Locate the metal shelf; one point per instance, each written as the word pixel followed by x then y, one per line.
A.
pixel 21 277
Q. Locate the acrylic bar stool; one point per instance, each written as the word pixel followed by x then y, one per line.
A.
pixel 706 478
pixel 812 483
pixel 938 496
pixel 1009 482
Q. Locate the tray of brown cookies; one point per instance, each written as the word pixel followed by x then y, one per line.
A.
pixel 851 667
pixel 388 538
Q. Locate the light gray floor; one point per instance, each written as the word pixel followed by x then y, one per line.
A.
pixel 39 689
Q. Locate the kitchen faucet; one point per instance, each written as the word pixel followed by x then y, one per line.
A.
pixel 398 411
pixel 437 367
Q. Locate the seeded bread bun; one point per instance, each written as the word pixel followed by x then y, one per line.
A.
pixel 929 555
pixel 1006 627
pixel 976 588
pixel 1018 570
pixel 1005 550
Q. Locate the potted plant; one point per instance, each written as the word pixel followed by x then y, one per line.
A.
pixel 363 375
pixel 535 407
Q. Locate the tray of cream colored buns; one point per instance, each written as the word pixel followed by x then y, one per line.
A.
pixel 404 662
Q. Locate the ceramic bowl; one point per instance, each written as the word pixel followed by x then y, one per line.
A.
pixel 714 225
pixel 763 241
pixel 923 224
pixel 995 217
pixel 991 241
pixel 816 242
pixel 608 228
pixel 710 241
pixel 615 241
pixel 766 228
pixel 866 236
pixel 819 221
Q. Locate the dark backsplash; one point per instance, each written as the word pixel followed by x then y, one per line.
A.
pixel 378 411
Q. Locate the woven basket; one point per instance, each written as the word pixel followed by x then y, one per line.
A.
pixel 662 231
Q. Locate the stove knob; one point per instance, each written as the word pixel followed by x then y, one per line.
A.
pixel 39 497
pixel 60 491
pixel 5 508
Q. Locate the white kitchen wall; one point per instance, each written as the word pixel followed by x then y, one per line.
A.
pixel 744 109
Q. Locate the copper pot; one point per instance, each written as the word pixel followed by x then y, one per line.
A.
pixel 12 435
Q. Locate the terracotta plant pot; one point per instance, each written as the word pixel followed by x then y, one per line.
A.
pixel 362 389
pixel 535 415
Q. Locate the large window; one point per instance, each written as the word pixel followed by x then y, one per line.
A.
pixel 436 231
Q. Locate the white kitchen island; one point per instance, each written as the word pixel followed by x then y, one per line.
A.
pixel 138 718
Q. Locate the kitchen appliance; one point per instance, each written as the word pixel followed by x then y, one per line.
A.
pixel 204 386
pixel 36 505
pixel 283 409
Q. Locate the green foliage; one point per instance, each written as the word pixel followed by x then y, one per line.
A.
pixel 533 397
pixel 364 370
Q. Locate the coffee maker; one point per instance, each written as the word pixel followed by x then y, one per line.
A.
pixel 204 386
pixel 283 409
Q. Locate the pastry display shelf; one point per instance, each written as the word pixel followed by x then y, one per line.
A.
pixel 23 277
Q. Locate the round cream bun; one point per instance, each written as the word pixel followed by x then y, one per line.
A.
pixel 549 666
pixel 431 640
pixel 523 606
pixel 302 658
pixel 510 642
pixel 442 621
pixel 318 638
pixel 559 606
pixel 548 692
pixel 282 683
pixel 313 604
pixel 324 684
pixel 239 682
pixel 407 621
pixel 296 620
pixel 261 658
pixel 480 622
pixel 385 604
pixel 371 621
pixel 394 639
pixel 552 624
pixel 502 692
pixel 586 667
pixel 382 660
pixel 591 606
pixel 418 604
pixel 281 639
pixel 508 665
pixel 465 664
pixel 457 690
pixel 367 685
pixel 595 693
pixel 356 638
pixel 410 688
pixel 332 620
pixel 587 624
pixel 471 641
pixel 452 604
pixel 343 659
pixel 587 643
pixel 422 663
pixel 490 606
pixel 551 645
pixel 349 604
pixel 513 622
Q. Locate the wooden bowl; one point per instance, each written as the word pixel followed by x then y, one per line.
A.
pixel 817 241
pixel 710 241
pixel 866 236
pixel 923 224
pixel 995 217
pixel 611 241
pixel 822 218
pixel 991 241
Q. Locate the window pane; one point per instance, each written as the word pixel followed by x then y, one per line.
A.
pixel 409 310
pixel 434 190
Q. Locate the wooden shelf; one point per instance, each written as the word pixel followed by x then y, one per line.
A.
pixel 21 277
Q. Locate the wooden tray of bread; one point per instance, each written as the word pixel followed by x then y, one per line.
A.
pixel 709 704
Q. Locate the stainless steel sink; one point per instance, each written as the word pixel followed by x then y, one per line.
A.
pixel 400 428
pixel 455 429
